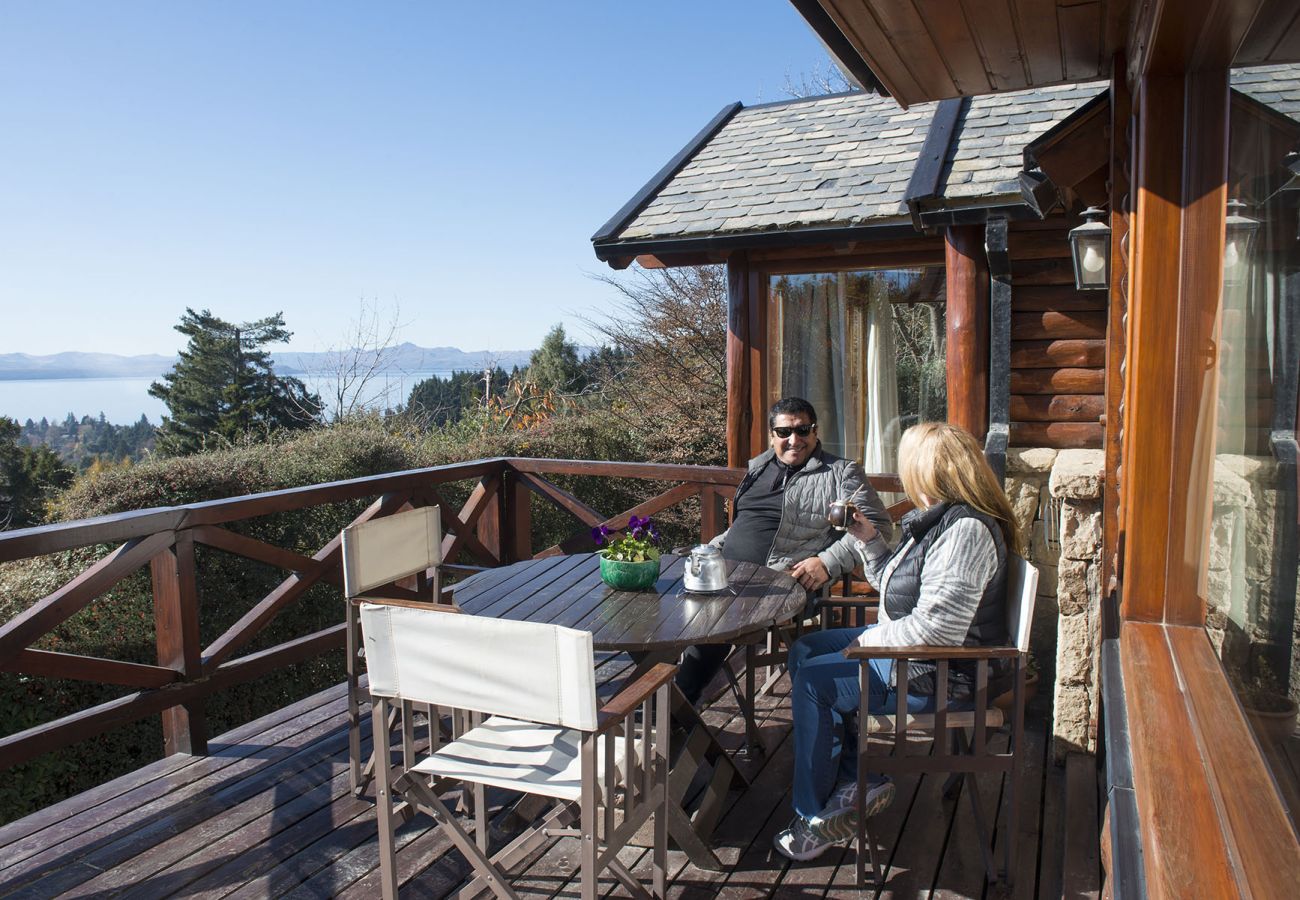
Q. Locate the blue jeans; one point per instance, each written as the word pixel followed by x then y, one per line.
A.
pixel 824 691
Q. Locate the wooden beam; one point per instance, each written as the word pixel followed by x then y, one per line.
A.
pixel 1061 435
pixel 968 328
pixel 1121 207
pixel 252 548
pixel 293 587
pixel 719 475
pixel 176 630
pixel 740 416
pixel 1057 381
pixel 49 664
pixel 1155 252
pixel 1078 354
pixel 759 388
pixel 1195 375
pixel 43 615
pixel 563 499
pixel 1058 408
pixel 1056 325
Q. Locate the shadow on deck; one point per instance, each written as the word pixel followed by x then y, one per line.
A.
pixel 268 813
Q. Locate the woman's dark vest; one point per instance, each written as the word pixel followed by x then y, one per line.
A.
pixel 903 592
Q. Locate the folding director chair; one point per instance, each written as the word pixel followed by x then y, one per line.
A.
pixel 530 693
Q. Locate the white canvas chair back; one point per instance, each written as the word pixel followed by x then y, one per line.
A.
pixel 1022 589
pixel 382 550
pixel 522 670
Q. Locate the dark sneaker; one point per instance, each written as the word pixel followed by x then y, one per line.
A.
pixel 807 839
pixel 843 801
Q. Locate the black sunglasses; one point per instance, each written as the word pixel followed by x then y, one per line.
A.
pixel 784 431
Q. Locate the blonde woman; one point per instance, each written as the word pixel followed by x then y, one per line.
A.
pixel 945 584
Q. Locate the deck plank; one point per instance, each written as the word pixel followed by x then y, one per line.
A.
pixel 270 814
pixel 962 872
pixel 1081 872
pixel 115 843
pixel 81 819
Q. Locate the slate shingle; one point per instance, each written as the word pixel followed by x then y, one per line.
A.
pixel 847 160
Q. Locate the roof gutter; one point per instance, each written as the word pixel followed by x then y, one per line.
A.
pixel 725 243
pixel 924 183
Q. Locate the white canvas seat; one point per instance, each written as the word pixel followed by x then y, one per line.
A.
pixel 529 692
pixel 378 553
pixel 516 755
pixel 955 753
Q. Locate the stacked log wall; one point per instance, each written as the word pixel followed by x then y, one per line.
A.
pixel 1058 343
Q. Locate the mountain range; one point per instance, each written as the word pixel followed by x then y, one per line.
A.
pixel 402 358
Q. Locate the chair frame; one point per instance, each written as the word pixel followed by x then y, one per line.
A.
pixel 644 791
pixel 964 757
pixel 427 591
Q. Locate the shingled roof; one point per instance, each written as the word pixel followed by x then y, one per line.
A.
pixel 834 162
pixel 841 164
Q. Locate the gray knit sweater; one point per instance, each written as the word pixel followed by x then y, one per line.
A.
pixel 958 567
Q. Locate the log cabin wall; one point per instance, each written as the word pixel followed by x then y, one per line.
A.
pixel 1058 343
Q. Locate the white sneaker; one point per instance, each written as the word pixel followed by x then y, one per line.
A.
pixel 807 839
pixel 843 801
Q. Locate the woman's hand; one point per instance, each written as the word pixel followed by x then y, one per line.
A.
pixel 861 528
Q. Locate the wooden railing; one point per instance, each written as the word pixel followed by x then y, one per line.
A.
pixel 492 527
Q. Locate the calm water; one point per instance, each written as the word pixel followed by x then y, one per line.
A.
pixel 124 400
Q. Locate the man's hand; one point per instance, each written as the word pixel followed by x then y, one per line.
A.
pixel 810 572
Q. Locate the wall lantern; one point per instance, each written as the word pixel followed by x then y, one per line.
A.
pixel 1090 245
pixel 1240 235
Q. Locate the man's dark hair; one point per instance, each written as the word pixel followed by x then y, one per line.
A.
pixel 791 406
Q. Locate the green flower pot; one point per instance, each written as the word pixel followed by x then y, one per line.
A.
pixel 629 576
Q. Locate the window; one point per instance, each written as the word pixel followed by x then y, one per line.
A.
pixel 1250 569
pixel 866 348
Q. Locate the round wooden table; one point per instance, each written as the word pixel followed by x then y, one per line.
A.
pixel 652 626
pixel 567 590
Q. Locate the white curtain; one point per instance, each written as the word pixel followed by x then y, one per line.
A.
pixel 812 356
pixel 880 442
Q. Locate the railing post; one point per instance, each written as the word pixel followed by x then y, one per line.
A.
pixel 176 622
pixel 488 528
pixel 516 503
pixel 713 517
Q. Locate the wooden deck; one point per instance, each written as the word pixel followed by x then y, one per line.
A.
pixel 268 813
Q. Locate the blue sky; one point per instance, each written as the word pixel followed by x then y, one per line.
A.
pixel 248 157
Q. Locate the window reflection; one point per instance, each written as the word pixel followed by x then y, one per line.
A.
pixel 866 348
pixel 1250 580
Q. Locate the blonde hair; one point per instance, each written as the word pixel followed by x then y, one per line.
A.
pixel 945 462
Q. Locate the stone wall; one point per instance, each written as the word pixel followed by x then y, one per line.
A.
pixel 1056 496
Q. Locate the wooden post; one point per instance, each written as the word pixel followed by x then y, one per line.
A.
pixel 967 279
pixel 176 622
pixel 488 529
pixel 740 417
pixel 713 519
pixel 1121 151
pixel 757 355
pixel 516 502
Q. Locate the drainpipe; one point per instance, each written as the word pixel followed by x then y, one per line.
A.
pixel 999 434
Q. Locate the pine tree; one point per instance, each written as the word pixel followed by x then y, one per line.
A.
pixel 29 476
pixel 554 366
pixel 224 389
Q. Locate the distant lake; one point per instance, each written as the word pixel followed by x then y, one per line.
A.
pixel 124 400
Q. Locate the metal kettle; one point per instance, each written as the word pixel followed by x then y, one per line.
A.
pixel 706 571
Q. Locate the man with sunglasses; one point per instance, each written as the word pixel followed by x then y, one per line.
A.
pixel 779 519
